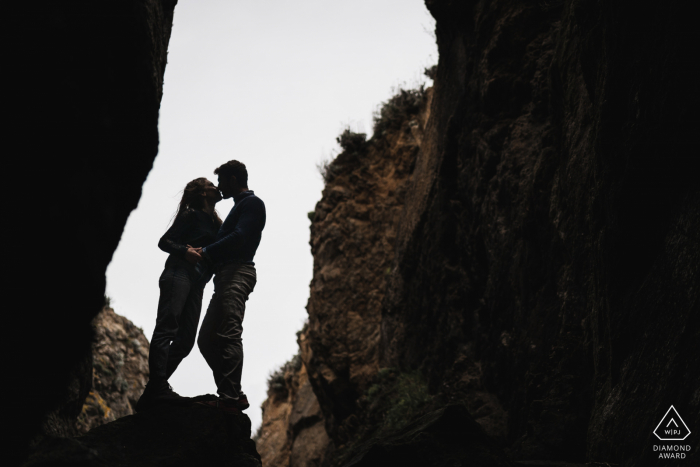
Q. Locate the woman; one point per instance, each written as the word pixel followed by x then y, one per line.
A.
pixel 181 285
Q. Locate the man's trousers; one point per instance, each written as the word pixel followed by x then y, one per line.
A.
pixel 220 337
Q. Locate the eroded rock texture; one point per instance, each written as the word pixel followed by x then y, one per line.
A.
pixel 550 232
pixel 353 238
pixel 541 256
pixel 87 80
pixel 119 371
pixel 293 431
pixel 353 233
pixel 107 384
pixel 447 436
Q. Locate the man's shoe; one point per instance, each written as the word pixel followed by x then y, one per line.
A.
pixel 229 406
pixel 242 402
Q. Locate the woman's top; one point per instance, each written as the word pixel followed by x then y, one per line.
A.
pixel 194 227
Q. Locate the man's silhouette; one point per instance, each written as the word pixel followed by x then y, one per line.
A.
pixel 232 257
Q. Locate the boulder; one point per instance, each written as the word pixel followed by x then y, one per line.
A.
pixel 164 436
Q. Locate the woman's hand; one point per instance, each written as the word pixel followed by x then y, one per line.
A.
pixel 192 256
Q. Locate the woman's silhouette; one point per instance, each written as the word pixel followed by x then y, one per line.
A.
pixel 181 285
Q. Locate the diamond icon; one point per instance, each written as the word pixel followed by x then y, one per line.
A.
pixel 672 427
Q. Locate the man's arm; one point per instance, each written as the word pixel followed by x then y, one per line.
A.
pixel 252 213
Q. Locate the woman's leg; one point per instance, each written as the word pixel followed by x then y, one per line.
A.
pixel 187 330
pixel 175 287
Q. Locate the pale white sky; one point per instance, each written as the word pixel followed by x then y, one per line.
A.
pixel 270 83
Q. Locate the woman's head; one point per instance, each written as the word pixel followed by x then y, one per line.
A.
pixel 195 196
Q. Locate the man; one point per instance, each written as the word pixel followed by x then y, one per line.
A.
pixel 232 257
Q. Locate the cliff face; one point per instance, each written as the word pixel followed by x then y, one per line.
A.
pixel 119 371
pixel 293 431
pixel 108 382
pixel 353 234
pixel 106 431
pixel 540 261
pixel 549 234
pixel 87 81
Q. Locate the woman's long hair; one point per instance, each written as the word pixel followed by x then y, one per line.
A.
pixel 192 199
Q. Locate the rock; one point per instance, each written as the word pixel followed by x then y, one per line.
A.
pixel 293 432
pixel 537 232
pixel 445 437
pixel 62 420
pixel 546 229
pixel 353 242
pixel 167 435
pixel 119 370
pixel 306 410
pixel 87 89
pixel 108 382
pixel 309 447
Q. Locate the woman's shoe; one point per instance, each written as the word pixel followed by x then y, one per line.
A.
pixel 158 392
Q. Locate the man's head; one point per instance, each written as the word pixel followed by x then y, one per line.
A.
pixel 233 178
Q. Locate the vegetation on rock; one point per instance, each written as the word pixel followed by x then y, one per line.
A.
pixel 392 113
pixel 276 383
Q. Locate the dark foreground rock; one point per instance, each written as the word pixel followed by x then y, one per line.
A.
pixel 106 384
pixel 86 91
pixel 165 436
pixel 446 437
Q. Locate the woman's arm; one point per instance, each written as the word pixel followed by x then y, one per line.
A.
pixel 172 241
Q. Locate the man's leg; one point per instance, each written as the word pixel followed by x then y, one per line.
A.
pixel 182 345
pixel 237 284
pixel 208 340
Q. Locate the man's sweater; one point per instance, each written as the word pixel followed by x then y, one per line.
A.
pixel 239 235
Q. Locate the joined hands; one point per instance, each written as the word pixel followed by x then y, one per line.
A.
pixel 193 255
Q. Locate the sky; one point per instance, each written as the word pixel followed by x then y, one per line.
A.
pixel 271 83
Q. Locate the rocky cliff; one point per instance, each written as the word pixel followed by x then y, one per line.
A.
pixel 107 432
pixel 86 85
pixel 539 266
pixel 293 430
pixel 353 234
pixel 119 370
pixel 107 384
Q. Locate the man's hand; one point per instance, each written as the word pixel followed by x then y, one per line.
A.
pixel 204 256
pixel 192 255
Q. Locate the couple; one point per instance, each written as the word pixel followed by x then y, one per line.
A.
pixel 200 244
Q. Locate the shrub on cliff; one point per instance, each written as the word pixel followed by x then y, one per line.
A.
pixel 393 401
pixel 398 397
pixel 276 382
pixel 326 169
pixel 352 144
pixel 351 141
pixel 393 112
